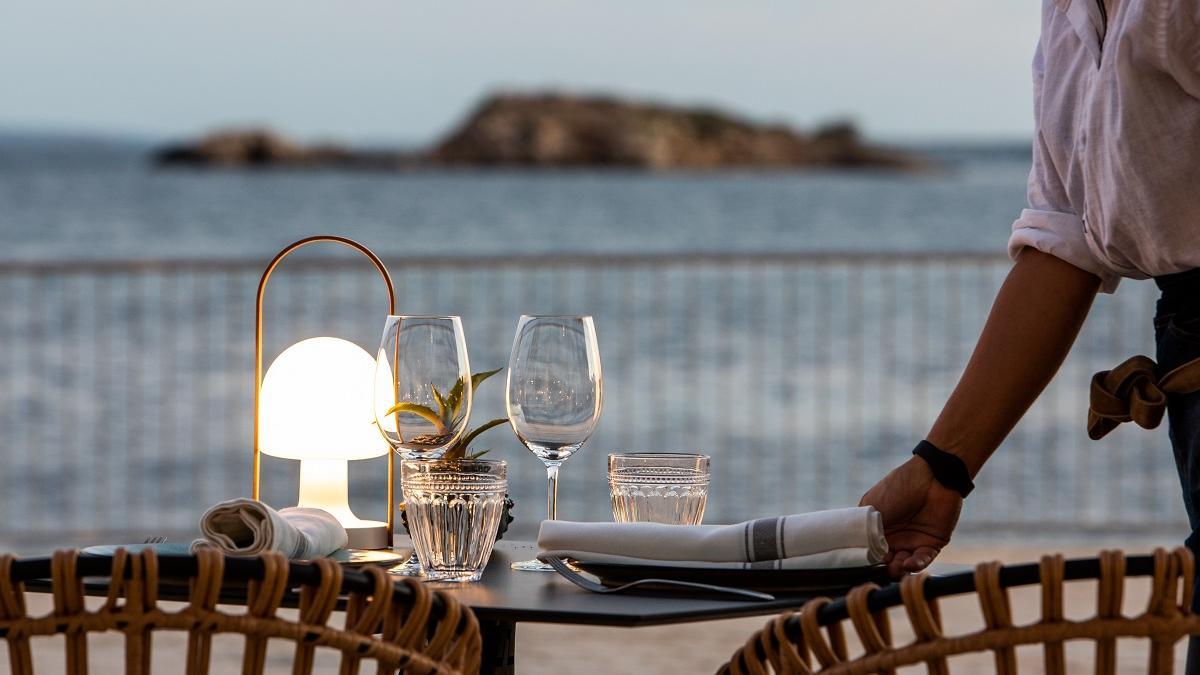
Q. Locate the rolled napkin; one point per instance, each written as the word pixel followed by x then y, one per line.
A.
pixel 851 537
pixel 245 527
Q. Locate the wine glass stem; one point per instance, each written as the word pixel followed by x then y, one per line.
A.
pixel 552 490
pixel 413 564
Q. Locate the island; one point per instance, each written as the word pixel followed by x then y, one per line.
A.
pixel 553 130
pixel 263 148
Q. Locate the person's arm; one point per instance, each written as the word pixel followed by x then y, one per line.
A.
pixel 1033 323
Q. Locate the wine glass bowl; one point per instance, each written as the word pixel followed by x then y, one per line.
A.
pixel 423 392
pixel 554 394
pixel 555 390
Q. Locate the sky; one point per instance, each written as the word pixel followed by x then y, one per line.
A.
pixel 367 71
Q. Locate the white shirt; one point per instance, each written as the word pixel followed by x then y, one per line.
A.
pixel 1115 183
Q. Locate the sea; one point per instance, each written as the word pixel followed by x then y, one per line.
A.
pixel 66 197
pixel 125 390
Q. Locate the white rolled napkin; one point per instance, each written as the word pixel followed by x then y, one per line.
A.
pixel 851 537
pixel 245 527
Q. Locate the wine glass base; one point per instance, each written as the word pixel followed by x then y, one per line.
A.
pixel 534 565
pixel 408 568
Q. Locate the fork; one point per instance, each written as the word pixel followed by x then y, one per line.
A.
pixel 155 540
pixel 583 582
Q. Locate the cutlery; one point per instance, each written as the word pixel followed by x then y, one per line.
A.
pixel 583 582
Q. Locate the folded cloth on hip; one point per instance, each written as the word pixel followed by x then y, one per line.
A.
pixel 245 527
pixel 850 537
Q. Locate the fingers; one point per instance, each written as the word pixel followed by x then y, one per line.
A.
pixel 910 562
pixel 920 559
pixel 896 566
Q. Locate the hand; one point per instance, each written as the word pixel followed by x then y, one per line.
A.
pixel 919 515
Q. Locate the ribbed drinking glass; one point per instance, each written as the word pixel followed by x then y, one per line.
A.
pixel 454 509
pixel 658 487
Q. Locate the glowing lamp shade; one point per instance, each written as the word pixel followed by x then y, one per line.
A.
pixel 316 406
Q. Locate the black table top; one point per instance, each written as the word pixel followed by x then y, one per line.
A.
pixel 505 595
pixel 509 595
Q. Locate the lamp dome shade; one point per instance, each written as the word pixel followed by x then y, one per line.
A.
pixel 316 403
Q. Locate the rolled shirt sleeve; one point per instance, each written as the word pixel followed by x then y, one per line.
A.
pixel 1112 188
pixel 1060 235
pixel 1051 224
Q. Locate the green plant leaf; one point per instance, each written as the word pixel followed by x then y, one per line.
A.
pixel 478 378
pixel 443 408
pixel 420 411
pixel 474 433
pixel 454 399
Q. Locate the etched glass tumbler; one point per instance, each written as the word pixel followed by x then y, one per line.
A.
pixel 658 487
pixel 454 509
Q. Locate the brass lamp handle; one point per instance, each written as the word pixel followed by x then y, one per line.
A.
pixel 258 343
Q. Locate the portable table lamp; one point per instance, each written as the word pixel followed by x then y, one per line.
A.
pixel 315 405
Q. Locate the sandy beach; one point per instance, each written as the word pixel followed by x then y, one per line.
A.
pixel 689 648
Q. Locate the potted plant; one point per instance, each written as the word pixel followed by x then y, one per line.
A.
pixel 442 418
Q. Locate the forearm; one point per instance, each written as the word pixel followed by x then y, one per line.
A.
pixel 1033 323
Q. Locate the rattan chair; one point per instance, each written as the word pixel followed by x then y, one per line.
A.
pixel 814 641
pixel 399 625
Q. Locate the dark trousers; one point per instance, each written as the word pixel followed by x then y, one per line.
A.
pixel 1177 338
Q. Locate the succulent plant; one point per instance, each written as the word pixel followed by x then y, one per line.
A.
pixel 448 407
pixel 443 420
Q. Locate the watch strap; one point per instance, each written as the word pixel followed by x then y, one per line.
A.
pixel 948 469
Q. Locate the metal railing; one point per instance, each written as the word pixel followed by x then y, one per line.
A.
pixel 125 386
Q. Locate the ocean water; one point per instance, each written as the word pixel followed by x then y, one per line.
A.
pixel 72 198
pixel 125 391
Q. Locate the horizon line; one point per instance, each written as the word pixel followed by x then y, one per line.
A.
pixel 33 130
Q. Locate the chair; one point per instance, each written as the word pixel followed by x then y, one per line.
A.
pixel 814 641
pixel 401 626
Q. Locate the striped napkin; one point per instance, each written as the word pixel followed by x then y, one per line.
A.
pixel 838 538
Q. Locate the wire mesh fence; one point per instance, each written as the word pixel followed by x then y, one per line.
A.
pixel 125 387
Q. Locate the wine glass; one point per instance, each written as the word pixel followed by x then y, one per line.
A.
pixel 554 394
pixel 423 390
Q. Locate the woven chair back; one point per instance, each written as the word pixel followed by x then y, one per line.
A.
pixel 401 627
pixel 799 642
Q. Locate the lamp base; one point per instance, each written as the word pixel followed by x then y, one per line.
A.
pixel 369 535
pixel 323 485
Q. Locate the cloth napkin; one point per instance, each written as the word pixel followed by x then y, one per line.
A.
pixel 851 537
pixel 245 527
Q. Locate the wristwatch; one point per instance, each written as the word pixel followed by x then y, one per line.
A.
pixel 948 469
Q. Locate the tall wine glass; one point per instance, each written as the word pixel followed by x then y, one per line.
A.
pixel 422 390
pixel 554 394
